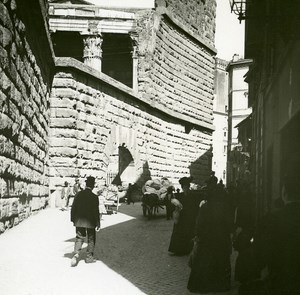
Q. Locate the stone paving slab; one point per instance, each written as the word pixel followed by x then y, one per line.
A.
pixel 131 251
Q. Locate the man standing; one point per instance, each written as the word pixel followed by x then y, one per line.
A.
pixel 65 196
pixel 76 187
pixel 86 218
pixel 129 194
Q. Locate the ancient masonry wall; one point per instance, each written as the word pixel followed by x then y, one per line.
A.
pixel 91 115
pixel 189 72
pixel 176 62
pixel 24 113
pixel 175 74
pixel 199 16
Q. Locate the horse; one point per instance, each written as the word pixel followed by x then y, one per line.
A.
pixel 150 203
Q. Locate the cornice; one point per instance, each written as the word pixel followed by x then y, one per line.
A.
pixel 68 62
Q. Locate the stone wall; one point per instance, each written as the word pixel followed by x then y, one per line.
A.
pixel 176 66
pixel 188 70
pixel 199 16
pixel 26 63
pixel 92 115
pixel 173 46
pixel 166 125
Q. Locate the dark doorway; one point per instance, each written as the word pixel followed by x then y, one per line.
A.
pixel 68 44
pixel 121 168
pixel 117 57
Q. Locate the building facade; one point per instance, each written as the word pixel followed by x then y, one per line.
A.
pixel 110 92
pixel 238 110
pixel 220 135
pixel 272 41
pixel 149 90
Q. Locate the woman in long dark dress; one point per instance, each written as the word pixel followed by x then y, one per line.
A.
pixel 210 266
pixel 184 228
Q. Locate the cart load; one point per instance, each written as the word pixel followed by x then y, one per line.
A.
pixel 154 194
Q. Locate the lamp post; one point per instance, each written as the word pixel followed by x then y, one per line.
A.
pixel 239 8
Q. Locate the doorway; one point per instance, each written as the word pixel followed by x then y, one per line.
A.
pixel 121 169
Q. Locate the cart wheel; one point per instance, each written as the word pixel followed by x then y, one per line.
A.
pixel 144 210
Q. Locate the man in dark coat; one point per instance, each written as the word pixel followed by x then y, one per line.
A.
pixel 85 216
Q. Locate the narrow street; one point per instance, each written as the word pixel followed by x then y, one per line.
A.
pixel 138 250
pixel 131 251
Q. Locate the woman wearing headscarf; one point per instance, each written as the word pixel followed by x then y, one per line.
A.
pixel 186 209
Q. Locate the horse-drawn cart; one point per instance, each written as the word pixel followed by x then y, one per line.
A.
pixel 154 196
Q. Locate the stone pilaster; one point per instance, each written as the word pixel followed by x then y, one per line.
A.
pixel 92 51
pixel 134 52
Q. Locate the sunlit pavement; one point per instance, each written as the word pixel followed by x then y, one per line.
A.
pixel 131 252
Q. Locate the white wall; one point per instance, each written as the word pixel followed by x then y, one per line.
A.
pixel 219 159
pixel 240 109
pixel 238 81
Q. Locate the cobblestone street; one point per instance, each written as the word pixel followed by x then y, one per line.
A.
pixel 131 251
pixel 138 250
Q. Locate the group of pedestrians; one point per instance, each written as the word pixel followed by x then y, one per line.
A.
pixel 67 193
pixel 202 230
pixel 210 223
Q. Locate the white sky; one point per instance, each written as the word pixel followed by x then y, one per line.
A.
pixel 229 32
pixel 124 3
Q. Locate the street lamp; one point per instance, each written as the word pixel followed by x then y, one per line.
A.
pixel 239 8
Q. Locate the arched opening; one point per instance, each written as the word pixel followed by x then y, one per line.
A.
pixel 68 44
pixel 121 169
pixel 117 57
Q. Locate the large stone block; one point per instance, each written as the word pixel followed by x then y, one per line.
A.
pixel 65 93
pixel 7 147
pixel 63 123
pixel 5 122
pixel 64 132
pixel 6 37
pixel 62 142
pixel 63 102
pixel 65 113
pixel 63 151
pixel 64 82
pixel 5 19
pixel 5 83
pixel 3 58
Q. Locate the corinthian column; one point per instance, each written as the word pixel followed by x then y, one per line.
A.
pixel 92 52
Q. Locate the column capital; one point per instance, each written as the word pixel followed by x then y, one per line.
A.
pixel 92 51
pixel 134 37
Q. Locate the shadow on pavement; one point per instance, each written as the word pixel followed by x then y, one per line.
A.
pixel 138 251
